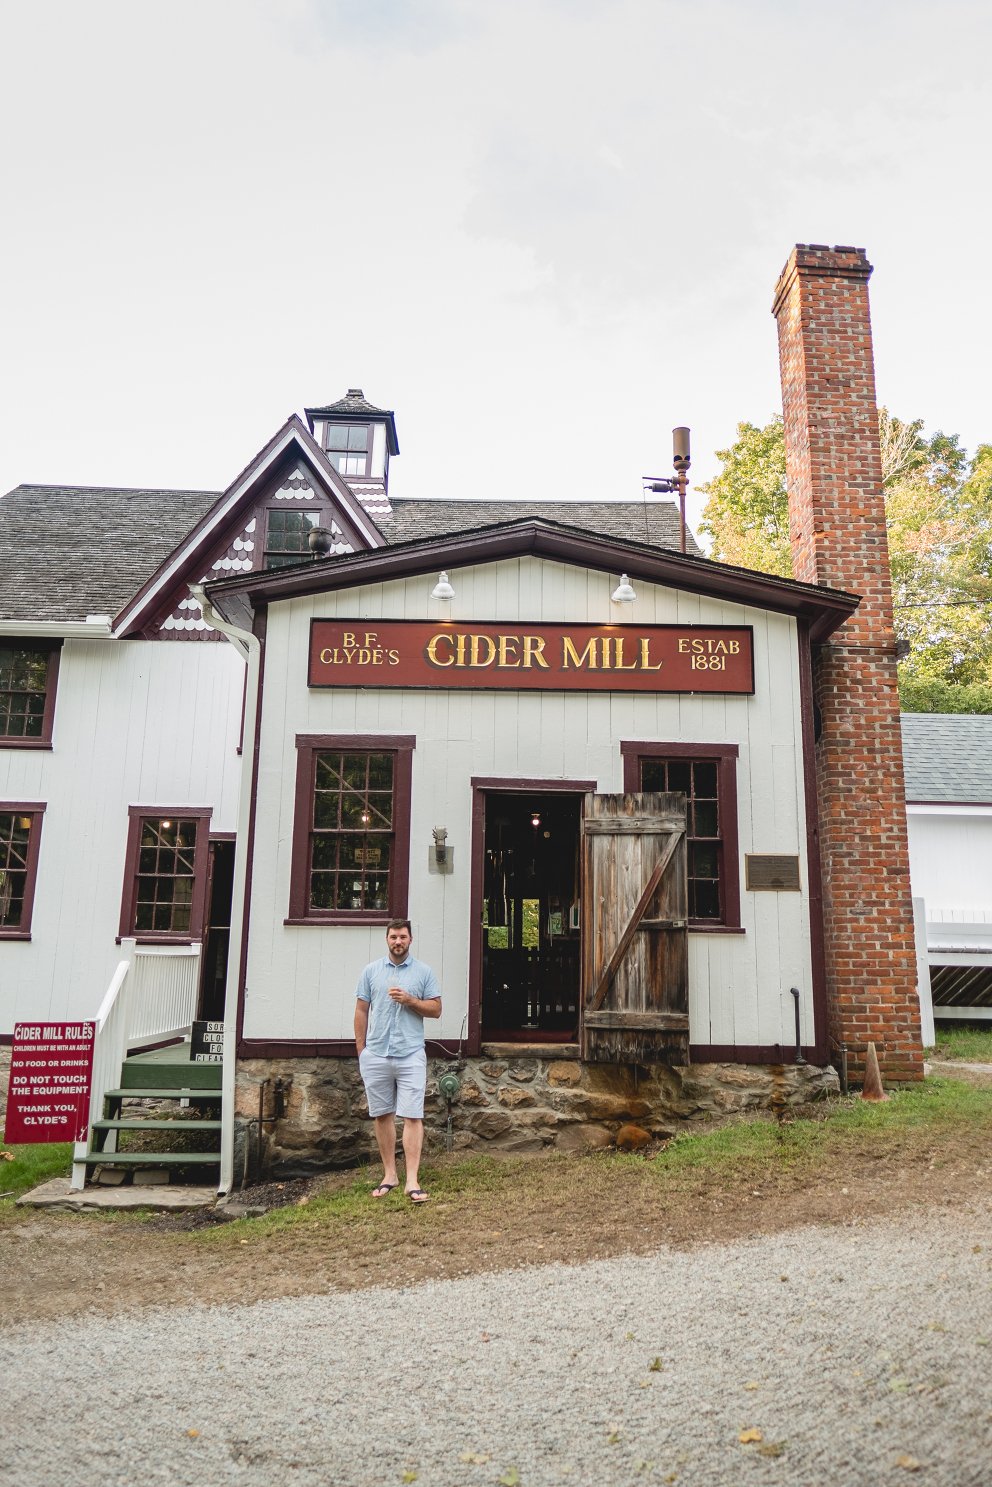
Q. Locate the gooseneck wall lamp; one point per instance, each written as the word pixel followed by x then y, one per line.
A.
pixel 680 453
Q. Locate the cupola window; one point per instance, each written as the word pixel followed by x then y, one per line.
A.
pixel 347 447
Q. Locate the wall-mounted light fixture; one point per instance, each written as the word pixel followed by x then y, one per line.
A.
pixel 442 589
pixel 535 819
pixel 440 857
pixel 624 592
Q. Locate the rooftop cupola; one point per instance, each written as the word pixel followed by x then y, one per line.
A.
pixel 358 439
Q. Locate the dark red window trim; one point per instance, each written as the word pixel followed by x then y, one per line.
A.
pixel 36 810
pixel 726 756
pixel 54 649
pixel 308 746
pixel 137 814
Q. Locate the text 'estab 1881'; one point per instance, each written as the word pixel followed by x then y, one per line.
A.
pixel 600 658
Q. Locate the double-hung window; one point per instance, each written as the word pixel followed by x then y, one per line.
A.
pixel 20 833
pixel 351 838
pixel 27 695
pixel 707 775
pixel 165 875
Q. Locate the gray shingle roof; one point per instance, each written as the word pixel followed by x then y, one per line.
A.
pixel 354 401
pixel 70 551
pixel 656 522
pixel 947 756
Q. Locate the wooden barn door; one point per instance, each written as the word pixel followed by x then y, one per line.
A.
pixel 635 949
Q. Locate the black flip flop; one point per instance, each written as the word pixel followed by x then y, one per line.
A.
pixel 383 1189
pixel 424 1197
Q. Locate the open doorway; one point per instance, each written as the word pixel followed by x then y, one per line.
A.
pixel 530 917
pixel 217 932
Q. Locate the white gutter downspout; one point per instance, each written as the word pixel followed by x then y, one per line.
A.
pixel 248 647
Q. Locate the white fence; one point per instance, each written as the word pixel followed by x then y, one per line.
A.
pixel 152 996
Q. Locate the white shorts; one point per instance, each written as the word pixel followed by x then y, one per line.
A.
pixel 394 1086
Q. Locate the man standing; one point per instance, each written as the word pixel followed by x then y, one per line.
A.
pixel 394 995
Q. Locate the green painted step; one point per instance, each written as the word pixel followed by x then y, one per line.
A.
pixel 156 1125
pixel 145 1093
pixel 154 1158
pixel 168 1068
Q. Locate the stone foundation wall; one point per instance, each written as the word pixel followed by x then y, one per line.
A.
pixel 512 1105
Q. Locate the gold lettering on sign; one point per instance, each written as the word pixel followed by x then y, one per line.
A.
pixel 645 662
pixel 348 639
pixel 432 646
pixel 371 636
pixel 477 642
pixel 621 664
pixel 394 658
pixel 461 639
pixel 534 651
pixel 508 646
pixel 325 658
pixel 588 655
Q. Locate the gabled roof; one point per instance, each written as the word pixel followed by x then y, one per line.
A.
pixel 291 442
pixel 947 757
pixel 355 404
pixel 67 551
pixel 653 522
pixel 824 609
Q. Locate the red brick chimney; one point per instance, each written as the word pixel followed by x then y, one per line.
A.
pixel 837 525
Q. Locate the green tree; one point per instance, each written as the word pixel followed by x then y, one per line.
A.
pixel 939 518
pixel 747 514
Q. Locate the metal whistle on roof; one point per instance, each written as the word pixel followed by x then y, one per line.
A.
pixel 681 461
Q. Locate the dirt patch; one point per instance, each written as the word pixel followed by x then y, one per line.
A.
pixel 485 1216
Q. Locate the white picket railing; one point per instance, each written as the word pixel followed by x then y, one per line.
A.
pixel 152 995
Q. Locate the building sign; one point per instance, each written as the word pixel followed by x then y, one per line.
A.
pixel 50 1068
pixel 207 1043
pixel 525 657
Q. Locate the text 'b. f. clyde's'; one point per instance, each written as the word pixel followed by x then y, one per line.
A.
pixel 526 657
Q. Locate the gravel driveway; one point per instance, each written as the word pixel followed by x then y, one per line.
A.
pixel 877 1346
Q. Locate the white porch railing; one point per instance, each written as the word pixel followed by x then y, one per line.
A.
pixel 152 995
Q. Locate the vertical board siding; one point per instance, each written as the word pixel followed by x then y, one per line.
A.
pixel 301 981
pixel 136 723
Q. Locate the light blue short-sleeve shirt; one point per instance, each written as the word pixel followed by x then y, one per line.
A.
pixel 395 1031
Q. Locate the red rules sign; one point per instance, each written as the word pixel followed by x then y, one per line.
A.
pixel 50 1069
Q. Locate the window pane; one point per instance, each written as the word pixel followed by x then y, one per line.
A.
pixel 704 862
pixel 358 438
pixel 707 899
pixel 380 810
pixel 653 775
pixel 337 436
pixel 323 890
pixel 325 852
pixel 704 778
pixel 356 770
pixel 380 771
pixel 354 812
pixel 325 809
pixel 705 818
pixel 329 771
pixel 680 775
pixel 23 680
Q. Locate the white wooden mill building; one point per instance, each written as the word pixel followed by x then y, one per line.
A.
pixel 226 763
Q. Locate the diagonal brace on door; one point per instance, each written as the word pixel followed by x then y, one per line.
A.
pixel 623 944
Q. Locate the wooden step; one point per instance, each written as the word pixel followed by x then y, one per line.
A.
pixel 156 1125
pixel 154 1158
pixel 164 1093
pixel 147 1072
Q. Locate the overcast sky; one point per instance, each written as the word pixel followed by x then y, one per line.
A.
pixel 543 231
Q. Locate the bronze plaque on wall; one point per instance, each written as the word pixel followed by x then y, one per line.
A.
pixel 772 873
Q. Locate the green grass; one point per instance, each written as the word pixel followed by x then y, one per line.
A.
pixel 938 1106
pixel 32 1165
pixel 747 1151
pixel 966 1042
